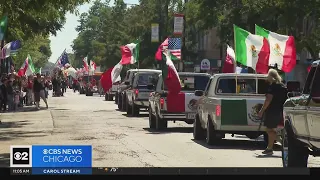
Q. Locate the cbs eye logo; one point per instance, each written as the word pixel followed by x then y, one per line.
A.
pixel 20 156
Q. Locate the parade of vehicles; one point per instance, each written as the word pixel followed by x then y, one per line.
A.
pixel 89 84
pixel 137 96
pixel 230 105
pixel 301 135
pixel 164 107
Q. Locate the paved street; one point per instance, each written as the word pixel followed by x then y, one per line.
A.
pixel 123 141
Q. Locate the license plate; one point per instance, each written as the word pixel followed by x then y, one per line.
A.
pixel 191 116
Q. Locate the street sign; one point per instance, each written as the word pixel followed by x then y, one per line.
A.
pixel 154 32
pixel 205 64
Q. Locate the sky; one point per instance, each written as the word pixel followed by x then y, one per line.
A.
pixel 64 38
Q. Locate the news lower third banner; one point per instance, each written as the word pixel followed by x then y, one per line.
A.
pixel 53 159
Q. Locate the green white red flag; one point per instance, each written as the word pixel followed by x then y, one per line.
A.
pixel 251 50
pixel 282 49
pixel 130 53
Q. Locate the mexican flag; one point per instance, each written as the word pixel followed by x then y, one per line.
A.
pixel 27 67
pixel 3 26
pixel 130 53
pixel 244 112
pixel 251 50
pixel 169 74
pixel 111 76
pixel 85 63
pixel 38 70
pixel 282 49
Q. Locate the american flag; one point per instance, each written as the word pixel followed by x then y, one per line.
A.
pixel 64 59
pixel 174 46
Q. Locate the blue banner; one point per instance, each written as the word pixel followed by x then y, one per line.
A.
pixel 62 171
pixel 61 156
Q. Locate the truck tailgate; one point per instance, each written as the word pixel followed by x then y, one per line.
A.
pixel 181 103
pixel 241 112
pixel 143 94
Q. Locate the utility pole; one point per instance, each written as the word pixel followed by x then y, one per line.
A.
pixel 183 46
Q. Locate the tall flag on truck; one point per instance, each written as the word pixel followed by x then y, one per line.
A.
pixel 130 53
pixel 111 76
pixel 251 50
pixel 3 27
pixel 282 49
pixel 169 74
pixel 229 64
pixel 174 47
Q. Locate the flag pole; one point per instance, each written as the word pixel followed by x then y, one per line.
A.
pixel 235 49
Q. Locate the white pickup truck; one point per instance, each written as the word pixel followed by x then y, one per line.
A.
pixel 164 107
pixel 230 105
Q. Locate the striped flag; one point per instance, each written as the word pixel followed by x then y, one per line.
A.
pixel 174 47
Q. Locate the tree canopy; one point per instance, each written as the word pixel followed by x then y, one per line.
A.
pixel 32 22
pixel 106 27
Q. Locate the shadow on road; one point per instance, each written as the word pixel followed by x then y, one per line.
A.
pixel 140 115
pixel 267 156
pixel 30 109
pixel 16 124
pixel 237 144
pixel 5 160
pixel 10 135
pixel 169 130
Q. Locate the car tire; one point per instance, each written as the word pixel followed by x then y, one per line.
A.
pixel 161 123
pixel 116 98
pixel 124 102
pixel 135 110
pixel 152 119
pixel 120 102
pixel 211 138
pixel 128 109
pixel 110 97
pixel 294 153
pixel 198 132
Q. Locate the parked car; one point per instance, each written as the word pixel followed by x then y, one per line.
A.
pixel 301 134
pixel 137 97
pixel 230 105
pixel 164 107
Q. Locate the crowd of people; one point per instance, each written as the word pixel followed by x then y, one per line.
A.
pixel 16 91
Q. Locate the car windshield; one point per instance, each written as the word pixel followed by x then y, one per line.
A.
pixel 244 86
pixel 147 78
pixel 192 83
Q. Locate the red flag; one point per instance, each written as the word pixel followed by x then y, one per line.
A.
pixel 229 64
pixel 111 76
pixel 164 45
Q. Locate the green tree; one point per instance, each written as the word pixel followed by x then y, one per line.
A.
pixel 39 49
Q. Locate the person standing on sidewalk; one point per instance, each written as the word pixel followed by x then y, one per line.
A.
pixel 10 93
pixel 38 90
pixel 4 95
pixel 272 110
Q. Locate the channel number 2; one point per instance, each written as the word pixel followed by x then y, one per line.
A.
pixel 21 156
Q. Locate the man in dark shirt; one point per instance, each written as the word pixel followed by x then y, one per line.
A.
pixel 272 110
pixel 37 87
